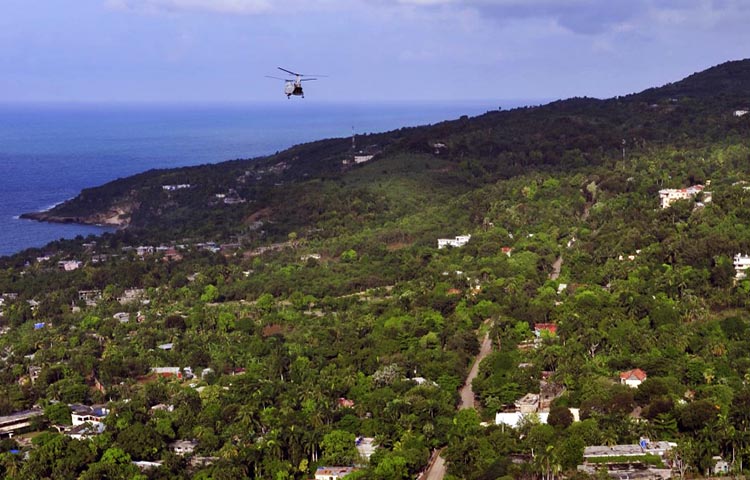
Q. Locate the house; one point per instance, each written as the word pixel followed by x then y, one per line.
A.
pixel 85 431
pixel 668 196
pixel 458 241
pixel 144 250
pixel 166 346
pixel 90 296
pixel 143 465
pixel 550 328
pixel 161 407
pixel 183 447
pixel 81 414
pixel 720 466
pixel 423 381
pixel 740 113
pixel 167 372
pixel 172 188
pixel 362 158
pixel 19 421
pixel 529 403
pixel 69 265
pixel 514 419
pixel 122 317
pixel 633 378
pixel 333 473
pixel 131 295
pixel 741 264
pixel 34 373
pixel 507 250
pixel 628 461
pixel 366 446
pixel 172 255
pixel 345 403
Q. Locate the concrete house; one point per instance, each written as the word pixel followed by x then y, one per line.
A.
pixel 81 414
pixel 458 241
pixel 668 196
pixel 741 264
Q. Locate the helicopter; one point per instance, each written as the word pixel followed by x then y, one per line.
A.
pixel 293 86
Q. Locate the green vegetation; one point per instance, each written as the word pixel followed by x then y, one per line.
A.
pixel 315 308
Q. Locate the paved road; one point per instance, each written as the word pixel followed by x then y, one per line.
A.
pixel 467 394
pixel 436 470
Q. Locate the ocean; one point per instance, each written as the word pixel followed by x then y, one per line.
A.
pixel 49 152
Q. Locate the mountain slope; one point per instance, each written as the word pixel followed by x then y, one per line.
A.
pixel 297 187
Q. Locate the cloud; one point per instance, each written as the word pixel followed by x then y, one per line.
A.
pixel 591 17
pixel 239 7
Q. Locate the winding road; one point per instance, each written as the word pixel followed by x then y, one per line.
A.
pixel 437 468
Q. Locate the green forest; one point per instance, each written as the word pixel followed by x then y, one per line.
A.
pixel 306 305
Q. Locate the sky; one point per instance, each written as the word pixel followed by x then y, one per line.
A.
pixel 370 50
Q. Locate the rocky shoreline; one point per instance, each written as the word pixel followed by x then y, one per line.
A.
pixel 115 219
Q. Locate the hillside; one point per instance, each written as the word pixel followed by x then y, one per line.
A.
pixel 561 136
pixel 276 313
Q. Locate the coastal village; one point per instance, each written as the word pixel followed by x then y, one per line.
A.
pixel 545 293
pixel 646 459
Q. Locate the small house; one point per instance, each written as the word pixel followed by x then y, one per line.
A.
pixel 333 473
pixel 167 372
pixel 741 264
pixel 366 446
pixel 720 466
pixel 550 328
pixel 183 447
pixel 668 196
pixel 69 265
pixel 633 378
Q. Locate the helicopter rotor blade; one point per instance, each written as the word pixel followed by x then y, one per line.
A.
pixel 279 78
pixel 289 72
pixel 307 79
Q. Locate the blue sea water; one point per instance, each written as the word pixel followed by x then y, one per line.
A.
pixel 49 152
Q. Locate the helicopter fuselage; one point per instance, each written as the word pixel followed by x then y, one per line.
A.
pixel 293 88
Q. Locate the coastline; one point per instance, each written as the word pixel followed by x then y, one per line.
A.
pixel 100 220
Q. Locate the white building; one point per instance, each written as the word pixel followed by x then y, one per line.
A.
pixel 668 196
pixel 366 446
pixel 183 447
pixel 81 414
pixel 514 419
pixel 741 264
pixel 172 188
pixel 69 265
pixel 741 113
pixel 459 241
